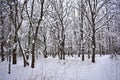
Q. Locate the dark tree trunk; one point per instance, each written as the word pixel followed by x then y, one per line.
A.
pixel 2 35
pixel 63 45
pixel 9 68
pixel 79 50
pixel 93 13
pixel 2 53
pixel 2 47
pixel 82 52
pixel 3 59
pixel 81 29
pixel 15 50
pixel 61 48
pixel 93 46
pixel 14 56
pixel 45 52
pixel 33 55
pixel 24 60
pixel 100 50
pixel 79 54
pixel 93 56
pixel 29 40
pixel 60 53
pixel 88 51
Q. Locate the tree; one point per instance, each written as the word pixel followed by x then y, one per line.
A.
pixel 36 33
pixel 92 12
pixel 16 16
pixel 59 15
pixel 1 32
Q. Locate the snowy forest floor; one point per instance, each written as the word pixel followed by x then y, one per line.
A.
pixel 73 68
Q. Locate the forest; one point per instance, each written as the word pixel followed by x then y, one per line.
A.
pixel 32 31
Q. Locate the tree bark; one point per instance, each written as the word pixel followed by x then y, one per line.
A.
pixel 33 55
pixel 14 55
pixel 24 59
pixel 82 52
pixel 45 52
pixel 2 53
pixel 82 44
pixel 2 35
pixel 9 67
pixel 93 45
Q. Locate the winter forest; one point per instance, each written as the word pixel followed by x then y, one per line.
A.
pixel 59 39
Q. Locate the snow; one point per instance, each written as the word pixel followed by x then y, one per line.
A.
pixel 73 68
pixel 33 41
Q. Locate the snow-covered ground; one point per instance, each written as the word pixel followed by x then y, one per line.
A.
pixel 70 69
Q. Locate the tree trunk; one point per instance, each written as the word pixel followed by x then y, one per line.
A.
pixel 9 67
pixel 29 33
pixel 36 33
pixel 82 44
pixel 88 54
pixel 33 55
pixel 15 50
pixel 82 52
pixel 93 46
pixel 2 35
pixel 63 45
pixel 24 60
pixel 88 51
pixel 2 47
pixel 2 53
pixel 79 50
pixel 45 52
pixel 100 50
pixel 14 56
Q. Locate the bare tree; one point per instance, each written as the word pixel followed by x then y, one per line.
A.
pixel 16 16
pixel 60 14
pixel 1 32
pixel 36 33
pixel 93 9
